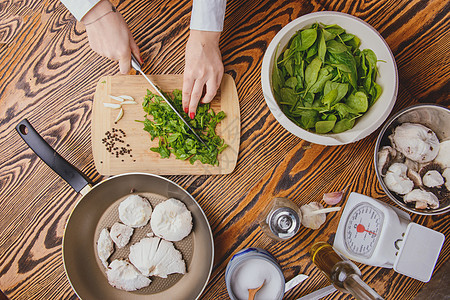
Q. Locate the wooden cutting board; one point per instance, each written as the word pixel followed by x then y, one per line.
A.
pixel 135 143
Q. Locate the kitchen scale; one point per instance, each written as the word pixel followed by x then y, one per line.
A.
pixel 377 234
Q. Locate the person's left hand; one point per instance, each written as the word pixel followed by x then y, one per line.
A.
pixel 203 70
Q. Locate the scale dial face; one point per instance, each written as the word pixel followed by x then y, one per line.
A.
pixel 362 229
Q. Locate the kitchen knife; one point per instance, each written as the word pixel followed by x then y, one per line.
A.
pixel 294 281
pixel 137 66
pixel 316 295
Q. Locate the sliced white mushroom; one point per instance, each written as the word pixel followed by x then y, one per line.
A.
pixel 385 155
pixel 433 179
pixel 171 220
pixel 397 180
pixel 446 175
pixel 135 211
pixel 415 177
pixel 412 165
pixel 416 142
pixel 443 157
pixel 156 257
pixel 123 275
pixel 112 105
pixel 105 246
pixel 121 234
pixel 420 197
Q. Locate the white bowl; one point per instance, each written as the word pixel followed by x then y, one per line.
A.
pixel 387 78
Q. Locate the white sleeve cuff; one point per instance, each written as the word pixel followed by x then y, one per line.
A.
pixel 79 8
pixel 208 15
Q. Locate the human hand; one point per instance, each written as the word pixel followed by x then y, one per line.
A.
pixel 109 35
pixel 203 69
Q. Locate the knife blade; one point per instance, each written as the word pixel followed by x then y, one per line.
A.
pixel 316 295
pixel 137 66
pixel 294 281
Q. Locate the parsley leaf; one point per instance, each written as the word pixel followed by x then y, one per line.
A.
pixel 175 137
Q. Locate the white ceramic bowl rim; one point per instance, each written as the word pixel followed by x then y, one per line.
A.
pixel 388 77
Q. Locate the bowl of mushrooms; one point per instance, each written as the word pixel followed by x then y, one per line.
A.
pixel 412 159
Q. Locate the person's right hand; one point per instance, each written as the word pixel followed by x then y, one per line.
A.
pixel 109 35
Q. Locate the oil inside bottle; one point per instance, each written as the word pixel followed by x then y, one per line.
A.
pixel 340 271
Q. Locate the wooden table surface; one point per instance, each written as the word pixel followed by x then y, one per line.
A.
pixel 49 74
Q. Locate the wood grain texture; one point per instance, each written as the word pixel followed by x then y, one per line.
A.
pixel 135 139
pixel 49 75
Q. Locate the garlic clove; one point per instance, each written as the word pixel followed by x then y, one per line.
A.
pixel 126 97
pixel 120 99
pixel 119 116
pixel 112 105
pixel 128 102
pixel 333 198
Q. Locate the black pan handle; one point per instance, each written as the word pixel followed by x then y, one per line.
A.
pixel 45 152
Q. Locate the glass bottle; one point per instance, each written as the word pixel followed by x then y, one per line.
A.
pixel 281 219
pixel 341 272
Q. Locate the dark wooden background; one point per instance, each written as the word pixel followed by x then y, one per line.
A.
pixel 48 75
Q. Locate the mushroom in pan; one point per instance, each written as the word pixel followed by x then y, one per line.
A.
pixel 443 157
pixel 105 246
pixel 446 175
pixel 433 178
pixel 123 275
pixel 385 156
pixel 423 199
pixel 416 142
pixel 397 180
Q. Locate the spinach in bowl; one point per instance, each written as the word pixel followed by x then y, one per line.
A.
pixel 322 81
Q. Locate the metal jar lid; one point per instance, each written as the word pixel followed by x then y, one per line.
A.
pixel 284 222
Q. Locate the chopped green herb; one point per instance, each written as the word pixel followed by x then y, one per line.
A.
pixel 175 137
pixel 323 81
pixel 104 81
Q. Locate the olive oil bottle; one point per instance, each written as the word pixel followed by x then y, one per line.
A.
pixel 341 272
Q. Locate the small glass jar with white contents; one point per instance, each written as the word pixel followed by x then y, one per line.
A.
pixel 249 269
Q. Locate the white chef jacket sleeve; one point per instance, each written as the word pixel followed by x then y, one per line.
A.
pixel 79 8
pixel 208 15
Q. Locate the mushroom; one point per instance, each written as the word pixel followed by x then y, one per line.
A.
pixel 416 142
pixel 385 155
pixel 446 175
pixel 443 157
pixel 396 179
pixel 433 179
pixel 415 177
pixel 314 215
pixel 422 198
pixel 412 165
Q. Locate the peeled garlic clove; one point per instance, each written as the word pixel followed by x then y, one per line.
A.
pixel 112 105
pixel 129 102
pixel 120 99
pixel 333 198
pixel 119 116
pixel 126 97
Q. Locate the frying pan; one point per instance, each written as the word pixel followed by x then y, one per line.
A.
pixel 97 209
